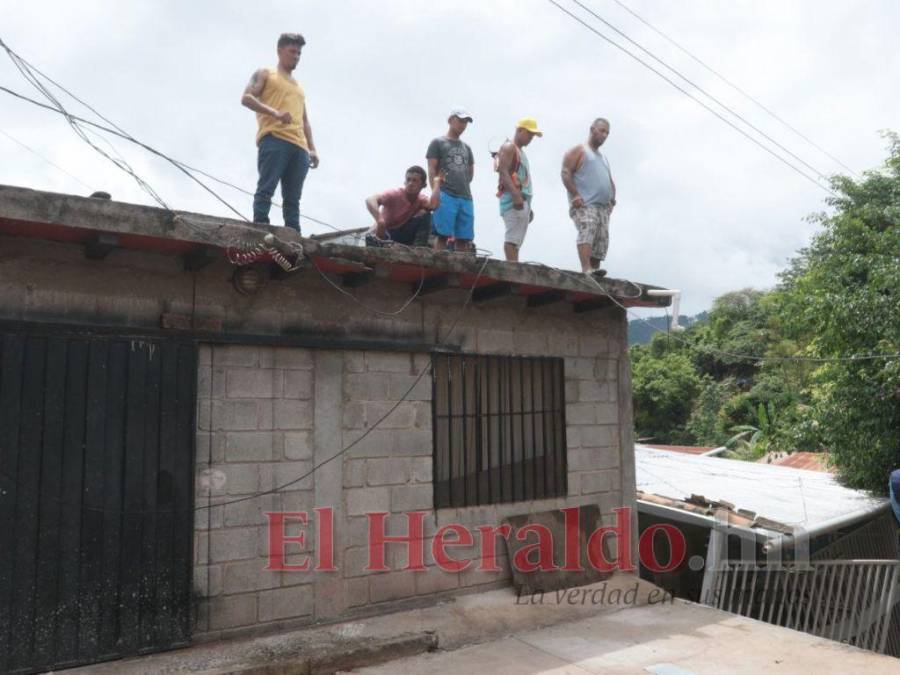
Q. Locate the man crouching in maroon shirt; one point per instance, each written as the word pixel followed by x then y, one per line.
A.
pixel 403 215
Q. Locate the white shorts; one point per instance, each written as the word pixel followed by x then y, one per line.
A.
pixel 516 222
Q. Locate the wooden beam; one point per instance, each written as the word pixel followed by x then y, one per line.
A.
pixel 546 298
pixel 492 291
pixel 100 246
pixel 200 257
pixel 590 305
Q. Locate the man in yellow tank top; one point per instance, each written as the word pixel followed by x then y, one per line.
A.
pixel 284 139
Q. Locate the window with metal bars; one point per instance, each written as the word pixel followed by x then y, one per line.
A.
pixel 499 428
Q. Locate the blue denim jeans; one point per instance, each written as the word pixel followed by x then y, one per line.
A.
pixel 280 160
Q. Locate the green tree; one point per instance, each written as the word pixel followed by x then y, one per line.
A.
pixel 664 389
pixel 840 298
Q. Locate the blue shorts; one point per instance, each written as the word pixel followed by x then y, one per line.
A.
pixel 455 217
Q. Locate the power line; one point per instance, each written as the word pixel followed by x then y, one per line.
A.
pixel 130 139
pixel 733 86
pixel 698 88
pixel 51 163
pixel 691 96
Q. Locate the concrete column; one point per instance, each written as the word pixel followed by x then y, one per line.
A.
pixel 328 481
pixel 626 434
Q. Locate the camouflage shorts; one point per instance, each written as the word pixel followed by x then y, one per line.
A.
pixel 592 222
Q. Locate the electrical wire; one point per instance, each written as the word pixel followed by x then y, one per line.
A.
pixel 316 467
pixel 684 91
pixel 734 86
pixel 53 164
pixel 697 87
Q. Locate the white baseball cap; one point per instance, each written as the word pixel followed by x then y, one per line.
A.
pixel 461 113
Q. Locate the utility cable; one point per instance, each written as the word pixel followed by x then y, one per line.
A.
pixel 51 163
pixel 697 87
pixel 733 86
pixel 684 91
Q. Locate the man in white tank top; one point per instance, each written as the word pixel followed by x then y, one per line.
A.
pixel 592 196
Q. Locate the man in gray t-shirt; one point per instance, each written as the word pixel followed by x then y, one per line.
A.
pixel 451 158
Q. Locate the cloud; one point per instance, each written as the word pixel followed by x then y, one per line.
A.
pixel 701 208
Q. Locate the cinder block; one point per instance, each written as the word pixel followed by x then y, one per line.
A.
pixel 207 580
pixel 475 576
pixel 607 413
pixel 412 443
pixel 354 473
pixel 411 498
pixel 232 544
pixel 286 603
pixel 435 580
pixel 596 435
pixel 293 358
pixel 252 383
pixel 355 561
pixel 249 446
pixel 298 445
pixel 375 443
pixel 495 341
pixel 232 611
pixel 572 391
pixel 357 591
pixel 593 345
pixel 580 369
pixel 388 362
pixel 391 586
pixel 530 343
pixel 583 459
pixel 251 575
pixel 354 362
pixel 298 384
pixel 234 415
pixel 388 415
pixel 293 414
pixel 591 390
pixel 250 512
pixel 354 416
pixel 595 481
pixel 266 357
pixel 409 387
pixel 574 483
pixel 422 470
pixel 388 471
pixel 288 476
pixel 581 413
pixel 235 355
pixel 211 382
pixel 361 501
pixel 240 479
pixel 368 386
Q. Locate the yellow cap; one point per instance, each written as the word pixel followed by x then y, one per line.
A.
pixel 529 124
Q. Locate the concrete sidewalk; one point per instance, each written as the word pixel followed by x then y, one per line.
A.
pixel 455 622
pixel 622 625
pixel 677 638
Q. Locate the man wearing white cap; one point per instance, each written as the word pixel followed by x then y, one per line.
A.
pixel 451 158
pixel 515 189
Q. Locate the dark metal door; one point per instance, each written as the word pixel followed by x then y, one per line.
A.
pixel 96 492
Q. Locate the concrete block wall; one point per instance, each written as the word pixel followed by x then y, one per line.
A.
pixel 266 415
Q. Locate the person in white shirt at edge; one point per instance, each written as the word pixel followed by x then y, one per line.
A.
pixel 592 196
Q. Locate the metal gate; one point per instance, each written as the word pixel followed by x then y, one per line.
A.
pixel 96 492
pixel 849 601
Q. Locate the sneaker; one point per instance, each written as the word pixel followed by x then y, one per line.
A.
pixel 598 273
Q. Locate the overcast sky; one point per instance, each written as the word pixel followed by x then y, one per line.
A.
pixel 700 207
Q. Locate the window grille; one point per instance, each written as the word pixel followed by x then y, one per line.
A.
pixel 499 429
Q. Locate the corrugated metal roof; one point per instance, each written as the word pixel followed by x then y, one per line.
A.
pixel 794 497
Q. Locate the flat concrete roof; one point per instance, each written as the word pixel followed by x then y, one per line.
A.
pixel 102 223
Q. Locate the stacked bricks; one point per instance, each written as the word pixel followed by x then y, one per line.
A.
pixel 255 419
pixel 261 420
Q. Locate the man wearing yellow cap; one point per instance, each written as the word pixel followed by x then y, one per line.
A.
pixel 515 189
